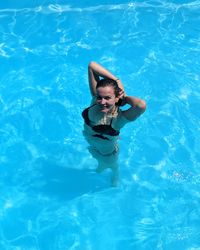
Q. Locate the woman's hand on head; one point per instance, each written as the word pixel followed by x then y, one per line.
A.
pixel 121 87
pixel 121 97
pixel 121 94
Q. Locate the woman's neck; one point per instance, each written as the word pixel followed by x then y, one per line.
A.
pixel 110 112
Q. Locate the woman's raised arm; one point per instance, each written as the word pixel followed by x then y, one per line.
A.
pixel 95 71
pixel 138 106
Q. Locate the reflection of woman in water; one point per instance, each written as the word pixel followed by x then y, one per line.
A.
pixel 103 119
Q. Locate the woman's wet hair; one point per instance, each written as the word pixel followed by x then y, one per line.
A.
pixel 109 82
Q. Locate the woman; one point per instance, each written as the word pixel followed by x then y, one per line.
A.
pixel 103 119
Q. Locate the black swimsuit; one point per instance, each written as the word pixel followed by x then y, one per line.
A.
pixel 100 129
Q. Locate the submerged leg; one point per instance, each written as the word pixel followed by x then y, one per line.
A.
pixel 115 175
pixel 107 161
pixel 115 172
pixel 101 167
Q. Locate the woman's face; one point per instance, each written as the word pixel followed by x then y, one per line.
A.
pixel 106 98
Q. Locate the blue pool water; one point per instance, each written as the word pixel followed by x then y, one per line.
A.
pixel 50 196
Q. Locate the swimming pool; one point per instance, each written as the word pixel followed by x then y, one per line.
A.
pixel 51 197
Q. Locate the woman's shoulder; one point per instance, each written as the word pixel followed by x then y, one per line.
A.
pixel 93 101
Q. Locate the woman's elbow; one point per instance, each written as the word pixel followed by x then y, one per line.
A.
pixel 91 64
pixel 142 106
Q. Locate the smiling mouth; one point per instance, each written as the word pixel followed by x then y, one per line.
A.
pixel 103 107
